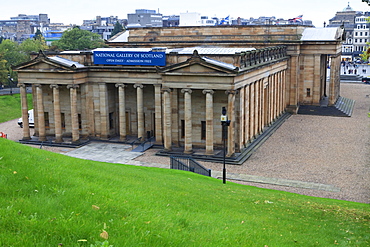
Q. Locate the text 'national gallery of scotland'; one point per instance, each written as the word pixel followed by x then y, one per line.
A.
pixel 171 84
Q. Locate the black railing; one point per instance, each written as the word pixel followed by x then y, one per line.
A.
pixel 150 140
pixel 137 141
pixel 188 164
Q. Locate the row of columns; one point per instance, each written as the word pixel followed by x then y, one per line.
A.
pixel 261 103
pixel 40 115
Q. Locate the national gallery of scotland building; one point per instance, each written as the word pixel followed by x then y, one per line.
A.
pixel 171 84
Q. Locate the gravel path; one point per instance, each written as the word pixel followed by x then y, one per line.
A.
pixel 327 150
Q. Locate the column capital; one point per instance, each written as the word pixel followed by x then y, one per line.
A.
pixel 21 85
pixel 54 86
pixel 157 85
pixel 186 90
pixel 205 91
pixel 37 85
pixel 231 92
pixel 74 86
pixel 121 85
pixel 168 90
pixel 138 85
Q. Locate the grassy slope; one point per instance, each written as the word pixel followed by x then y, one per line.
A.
pixel 10 107
pixel 48 199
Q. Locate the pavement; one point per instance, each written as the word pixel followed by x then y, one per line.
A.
pixel 122 154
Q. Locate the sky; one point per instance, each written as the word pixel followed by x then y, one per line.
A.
pixel 75 11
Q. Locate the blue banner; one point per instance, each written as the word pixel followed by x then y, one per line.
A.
pixel 130 58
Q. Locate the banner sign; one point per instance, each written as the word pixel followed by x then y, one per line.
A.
pixel 130 58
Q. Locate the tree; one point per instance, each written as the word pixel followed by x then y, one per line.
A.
pixel 11 53
pixel 117 29
pixel 38 35
pixel 77 39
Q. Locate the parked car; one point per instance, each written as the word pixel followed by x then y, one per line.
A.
pixel 31 121
pixel 366 80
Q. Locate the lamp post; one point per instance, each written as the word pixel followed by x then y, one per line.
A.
pixel 10 84
pixel 225 123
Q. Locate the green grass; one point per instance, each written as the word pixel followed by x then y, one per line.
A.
pixel 48 199
pixel 10 107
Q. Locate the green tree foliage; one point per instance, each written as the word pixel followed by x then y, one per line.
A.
pixel 77 39
pixel 13 53
pixel 117 28
pixel 38 35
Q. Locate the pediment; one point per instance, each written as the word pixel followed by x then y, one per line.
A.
pixel 200 65
pixel 52 64
pixel 196 68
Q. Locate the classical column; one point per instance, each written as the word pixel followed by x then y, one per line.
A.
pixel 167 121
pixel 241 118
pixel 284 103
pixel 247 114
pixel 26 125
pixel 256 108
pixel 140 110
pixel 40 113
pixel 209 121
pixel 158 114
pixel 261 115
pixel 103 97
pixel 74 114
pixel 57 114
pixel 122 111
pixel 231 117
pixel 251 113
pixel 188 121
pixel 334 84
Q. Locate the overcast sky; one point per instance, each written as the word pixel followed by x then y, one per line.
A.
pixel 75 11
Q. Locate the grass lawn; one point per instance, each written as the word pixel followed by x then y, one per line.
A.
pixel 10 107
pixel 48 199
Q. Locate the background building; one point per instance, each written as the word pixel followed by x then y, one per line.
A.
pixel 145 18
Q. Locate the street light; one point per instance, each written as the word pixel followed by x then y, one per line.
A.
pixel 225 123
pixel 10 84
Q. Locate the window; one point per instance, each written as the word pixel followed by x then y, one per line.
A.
pixel 111 120
pixel 79 122
pixel 63 121
pixel 203 130
pixel 182 128
pixel 308 92
pixel 46 116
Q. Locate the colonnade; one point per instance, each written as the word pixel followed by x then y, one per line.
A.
pixel 39 112
pixel 260 103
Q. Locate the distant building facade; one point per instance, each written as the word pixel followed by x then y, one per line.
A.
pixel 356 31
pixel 23 26
pixel 145 18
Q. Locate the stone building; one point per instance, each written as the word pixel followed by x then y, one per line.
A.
pixel 171 83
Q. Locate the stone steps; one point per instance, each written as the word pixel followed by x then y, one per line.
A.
pixel 345 105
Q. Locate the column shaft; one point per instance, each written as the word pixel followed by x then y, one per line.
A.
pixel 104 128
pixel 74 114
pixel 209 121
pixel 140 111
pixel 57 114
pixel 158 114
pixel 26 125
pixel 122 111
pixel 40 113
pixel 167 123
pixel 231 128
pixel 188 121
